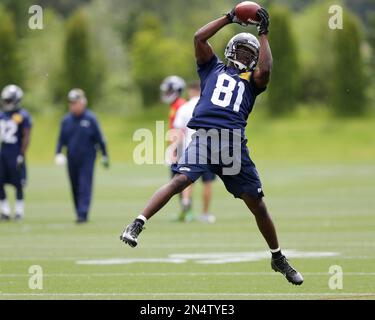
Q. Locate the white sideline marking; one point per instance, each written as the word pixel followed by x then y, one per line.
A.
pixel 45 258
pixel 186 246
pixel 184 274
pixel 209 258
pixel 127 261
pixel 324 294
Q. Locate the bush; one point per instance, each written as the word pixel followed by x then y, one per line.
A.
pixel 315 52
pixel 10 64
pixel 81 67
pixel 348 79
pixel 284 86
pixel 155 57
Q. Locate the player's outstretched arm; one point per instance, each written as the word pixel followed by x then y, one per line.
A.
pixel 263 71
pixel 203 50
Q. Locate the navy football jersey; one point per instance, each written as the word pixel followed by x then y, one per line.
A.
pixel 227 97
pixel 12 124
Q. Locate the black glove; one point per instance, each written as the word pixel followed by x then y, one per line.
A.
pixel 264 21
pixel 233 19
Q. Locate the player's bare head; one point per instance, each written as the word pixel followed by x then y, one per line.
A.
pixel 242 51
pixel 171 89
pixel 11 97
pixel 194 89
pixel 77 101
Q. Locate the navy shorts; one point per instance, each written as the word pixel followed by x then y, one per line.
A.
pixel 224 155
pixel 207 176
pixel 10 173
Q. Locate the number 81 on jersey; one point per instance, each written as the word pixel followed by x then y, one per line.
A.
pixel 224 91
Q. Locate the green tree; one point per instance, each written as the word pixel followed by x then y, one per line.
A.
pixel 63 7
pixel 82 68
pixel 371 40
pixel 155 56
pixel 348 79
pixel 43 73
pixel 10 66
pixel 371 57
pixel 284 86
pixel 314 40
pixel 20 11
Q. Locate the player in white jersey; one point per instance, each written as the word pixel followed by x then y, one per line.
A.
pixel 183 116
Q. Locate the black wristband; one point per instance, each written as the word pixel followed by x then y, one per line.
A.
pixel 229 17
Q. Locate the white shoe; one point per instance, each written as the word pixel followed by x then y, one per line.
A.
pixel 207 218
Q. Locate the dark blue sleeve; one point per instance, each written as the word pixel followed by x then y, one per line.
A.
pixel 99 138
pixel 254 87
pixel 205 69
pixel 27 121
pixel 61 142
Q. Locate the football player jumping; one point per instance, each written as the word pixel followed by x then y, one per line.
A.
pixel 15 127
pixel 228 95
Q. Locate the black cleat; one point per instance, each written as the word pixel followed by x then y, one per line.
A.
pixel 282 265
pixel 4 217
pixel 18 217
pixel 81 220
pixel 131 233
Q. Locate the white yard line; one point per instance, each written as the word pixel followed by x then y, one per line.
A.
pixel 37 259
pixel 187 246
pixel 171 274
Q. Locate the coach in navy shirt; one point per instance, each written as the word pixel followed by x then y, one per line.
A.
pixel 81 135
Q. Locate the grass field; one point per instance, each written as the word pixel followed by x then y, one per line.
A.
pixel 319 209
pixel 318 175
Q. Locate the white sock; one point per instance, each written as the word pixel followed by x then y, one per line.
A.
pixel 275 250
pixel 5 208
pixel 19 207
pixel 143 218
pixel 186 202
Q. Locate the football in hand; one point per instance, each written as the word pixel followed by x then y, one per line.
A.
pixel 246 12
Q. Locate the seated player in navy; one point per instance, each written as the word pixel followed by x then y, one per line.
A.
pixel 228 95
pixel 15 127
